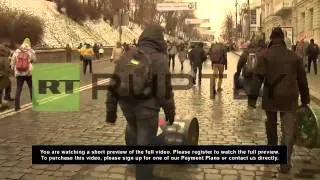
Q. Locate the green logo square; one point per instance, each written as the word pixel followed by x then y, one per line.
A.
pixel 56 87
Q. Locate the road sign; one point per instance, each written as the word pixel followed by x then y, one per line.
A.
pixel 183 6
pixel 196 21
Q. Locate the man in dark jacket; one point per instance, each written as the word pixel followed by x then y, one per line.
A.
pixel 197 56
pixel 284 77
pixel 218 56
pixel 313 52
pixel 142 115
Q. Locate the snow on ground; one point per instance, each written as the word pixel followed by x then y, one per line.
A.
pixel 59 30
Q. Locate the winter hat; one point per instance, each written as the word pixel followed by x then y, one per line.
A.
pixel 27 42
pixel 277 33
pixel 154 32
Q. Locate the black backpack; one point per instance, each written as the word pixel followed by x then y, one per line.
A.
pixel 250 65
pixel 133 76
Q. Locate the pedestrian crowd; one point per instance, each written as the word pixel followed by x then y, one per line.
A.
pixel 272 71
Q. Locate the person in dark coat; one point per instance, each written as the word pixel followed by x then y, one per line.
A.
pixel 197 56
pixel 284 78
pixel 219 61
pixel 313 52
pixel 68 53
pixel 142 115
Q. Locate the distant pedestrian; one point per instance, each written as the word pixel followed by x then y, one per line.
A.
pixel 96 50
pixel 172 51
pixel 134 43
pixel 313 53
pixel 182 54
pixel 68 53
pixel 101 51
pixel 284 78
pixel 21 63
pixel 219 64
pixel 117 52
pixel 88 56
pixel 197 56
pixel 80 47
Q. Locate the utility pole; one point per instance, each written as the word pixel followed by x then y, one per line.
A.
pixel 249 19
pixel 120 24
pixel 236 19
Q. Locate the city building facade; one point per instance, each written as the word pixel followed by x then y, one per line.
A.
pixel 308 20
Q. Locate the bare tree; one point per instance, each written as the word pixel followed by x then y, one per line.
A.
pixel 228 27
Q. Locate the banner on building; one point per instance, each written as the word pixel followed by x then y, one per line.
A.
pixel 183 6
pixel 196 21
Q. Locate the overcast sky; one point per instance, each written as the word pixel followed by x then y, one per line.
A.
pixel 216 11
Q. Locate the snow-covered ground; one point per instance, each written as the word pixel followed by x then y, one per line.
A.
pixel 59 30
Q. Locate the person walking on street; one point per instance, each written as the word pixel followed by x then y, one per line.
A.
pixel 80 47
pixel 284 78
pixel 68 53
pixel 101 51
pixel 197 56
pixel 21 63
pixel 313 53
pixel 172 51
pixel 142 114
pixel 117 52
pixel 4 74
pixel 182 54
pixel 88 56
pixel 96 50
pixel 219 64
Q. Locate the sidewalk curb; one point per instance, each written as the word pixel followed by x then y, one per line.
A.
pixel 313 97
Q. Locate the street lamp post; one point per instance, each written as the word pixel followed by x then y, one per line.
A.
pixel 120 25
pixel 249 20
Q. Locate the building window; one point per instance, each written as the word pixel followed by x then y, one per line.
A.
pixel 311 19
pixel 303 20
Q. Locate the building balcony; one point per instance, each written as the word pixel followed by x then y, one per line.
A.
pixel 282 7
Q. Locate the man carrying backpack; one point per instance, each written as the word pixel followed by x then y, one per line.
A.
pixel 284 78
pixel 218 56
pixel 21 63
pixel 143 70
pixel 313 52
pixel 197 56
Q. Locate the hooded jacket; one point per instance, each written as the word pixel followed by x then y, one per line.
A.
pixel 152 42
pixel 25 47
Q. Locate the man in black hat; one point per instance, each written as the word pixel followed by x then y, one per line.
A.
pixel 284 77
pixel 142 114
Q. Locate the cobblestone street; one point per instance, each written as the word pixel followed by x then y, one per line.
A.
pixel 223 120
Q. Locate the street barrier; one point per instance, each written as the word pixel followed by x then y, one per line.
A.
pixel 184 131
pixel 308 132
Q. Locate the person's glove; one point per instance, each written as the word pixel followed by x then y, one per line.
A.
pixel 111 117
pixel 170 118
